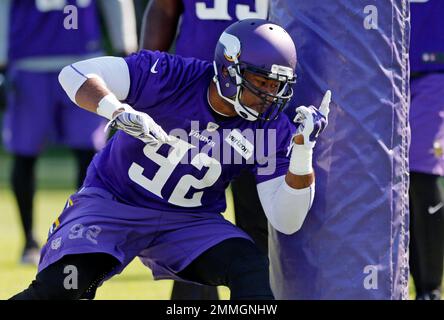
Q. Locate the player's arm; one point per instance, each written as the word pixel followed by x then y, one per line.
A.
pixel 90 81
pixel 159 24
pixel 287 199
pixel 99 85
pixel 300 175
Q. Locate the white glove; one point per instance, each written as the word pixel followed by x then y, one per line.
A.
pixel 311 123
pixel 139 125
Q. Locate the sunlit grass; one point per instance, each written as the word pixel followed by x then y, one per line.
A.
pixel 54 174
pixel 135 282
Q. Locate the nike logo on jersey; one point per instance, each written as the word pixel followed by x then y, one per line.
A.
pixel 153 68
pixel 433 210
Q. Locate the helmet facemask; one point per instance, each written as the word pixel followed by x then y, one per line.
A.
pixel 275 102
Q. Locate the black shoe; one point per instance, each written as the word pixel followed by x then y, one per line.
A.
pixel 432 295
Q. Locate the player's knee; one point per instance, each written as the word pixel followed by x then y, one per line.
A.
pixel 71 278
pixel 42 289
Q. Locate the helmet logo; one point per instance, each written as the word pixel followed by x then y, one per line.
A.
pixel 230 58
pixel 232 46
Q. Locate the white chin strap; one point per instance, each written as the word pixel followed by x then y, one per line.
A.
pixel 251 115
pixel 243 111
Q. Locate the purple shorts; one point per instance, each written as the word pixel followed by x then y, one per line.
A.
pixel 39 111
pixel 165 241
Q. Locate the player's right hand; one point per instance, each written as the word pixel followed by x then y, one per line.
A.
pixel 139 125
pixel 312 121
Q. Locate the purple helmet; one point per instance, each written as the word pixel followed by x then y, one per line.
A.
pixel 260 47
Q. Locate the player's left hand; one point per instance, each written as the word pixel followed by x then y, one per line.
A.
pixel 312 121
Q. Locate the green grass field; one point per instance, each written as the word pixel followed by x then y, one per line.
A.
pixel 55 174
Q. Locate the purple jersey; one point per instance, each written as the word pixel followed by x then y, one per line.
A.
pixel 192 172
pixel 427 36
pixel 41 28
pixel 427 124
pixel 426 108
pixel 204 21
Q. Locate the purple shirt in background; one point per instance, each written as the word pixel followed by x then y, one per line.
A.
pixel 192 173
pixel 54 39
pixel 203 23
pixel 427 36
pixel 427 102
pixel 427 124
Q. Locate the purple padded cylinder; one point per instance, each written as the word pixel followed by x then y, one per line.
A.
pixel 354 242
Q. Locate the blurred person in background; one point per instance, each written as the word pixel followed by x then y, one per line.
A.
pixel 37 39
pixel 426 150
pixel 2 90
pixel 139 8
pixel 195 27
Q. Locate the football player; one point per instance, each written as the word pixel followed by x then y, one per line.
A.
pixel 37 39
pixel 187 127
pixel 202 23
pixel 426 150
